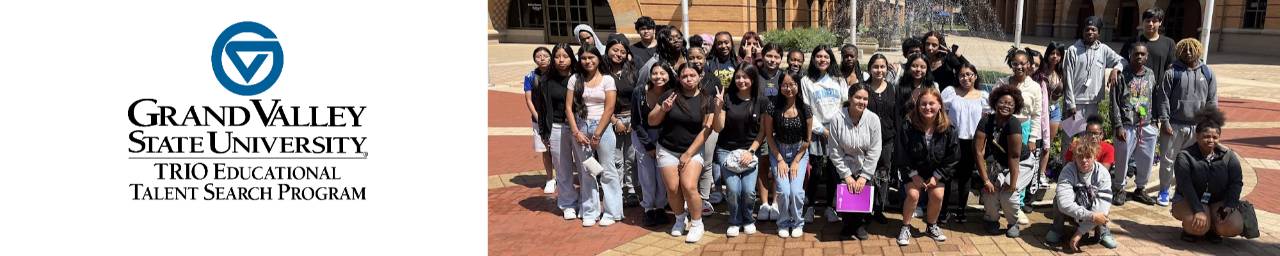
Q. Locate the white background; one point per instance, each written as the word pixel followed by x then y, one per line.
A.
pixel 69 70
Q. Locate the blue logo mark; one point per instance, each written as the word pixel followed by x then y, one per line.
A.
pixel 231 49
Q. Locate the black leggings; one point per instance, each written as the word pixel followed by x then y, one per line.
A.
pixel 957 196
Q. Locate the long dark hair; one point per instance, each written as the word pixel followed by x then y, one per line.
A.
pixel 751 72
pixel 780 102
pixel 977 79
pixel 942 40
pixel 872 61
pixel 1042 73
pixel 907 80
pixel 573 61
pixel 626 67
pixel 704 106
pixel 579 106
pixel 666 50
pixel 813 73
pixel 671 75
pixel 716 55
pixel 851 67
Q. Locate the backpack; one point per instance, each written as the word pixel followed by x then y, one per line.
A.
pixel 1204 70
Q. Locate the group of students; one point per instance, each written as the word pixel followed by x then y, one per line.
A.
pixel 682 126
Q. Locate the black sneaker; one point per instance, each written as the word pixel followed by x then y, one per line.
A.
pixel 861 233
pixel 992 227
pixel 1026 208
pixel 1213 237
pixel 1189 237
pixel 1142 197
pixel 881 219
pixel 650 218
pixel 1119 198
pixel 630 200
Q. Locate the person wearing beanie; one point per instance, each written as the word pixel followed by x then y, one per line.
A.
pixel 1084 66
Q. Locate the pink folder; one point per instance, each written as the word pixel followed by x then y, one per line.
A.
pixel 847 201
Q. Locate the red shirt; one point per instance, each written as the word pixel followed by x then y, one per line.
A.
pixel 1107 156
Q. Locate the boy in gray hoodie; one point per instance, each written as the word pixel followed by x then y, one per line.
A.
pixel 1084 65
pixel 1188 86
pixel 1083 195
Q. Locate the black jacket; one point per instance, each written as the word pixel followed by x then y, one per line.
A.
pixel 1220 177
pixel 938 158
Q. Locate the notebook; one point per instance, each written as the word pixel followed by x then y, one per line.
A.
pixel 846 201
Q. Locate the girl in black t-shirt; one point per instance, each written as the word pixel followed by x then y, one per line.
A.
pixel 624 75
pixel 769 81
pixel 787 128
pixel 928 151
pixel 737 120
pixel 653 189
pixel 685 120
pixel 998 150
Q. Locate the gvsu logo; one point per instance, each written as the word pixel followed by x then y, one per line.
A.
pixel 254 42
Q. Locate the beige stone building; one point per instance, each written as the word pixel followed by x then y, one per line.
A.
pixel 545 21
pixel 1239 26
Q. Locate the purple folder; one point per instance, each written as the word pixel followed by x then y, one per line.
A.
pixel 847 201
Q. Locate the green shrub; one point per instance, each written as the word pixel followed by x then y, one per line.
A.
pixel 803 39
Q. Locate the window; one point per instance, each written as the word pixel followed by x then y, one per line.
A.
pixel 1255 12
pixel 525 14
pixel 602 15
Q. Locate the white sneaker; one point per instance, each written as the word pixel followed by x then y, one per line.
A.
pixel 797 232
pixel 606 222
pixel 695 233
pixel 678 228
pixel 588 222
pixel 904 236
pixel 570 213
pixel 831 215
pixel 749 229
pixel 708 209
pixel 732 232
pixel 808 214
pixel 774 213
pixel 1022 218
pixel 784 233
pixel 763 213
pixel 550 188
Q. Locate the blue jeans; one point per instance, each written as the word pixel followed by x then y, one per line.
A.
pixel 610 180
pixel 742 191
pixel 1140 145
pixel 652 187
pixel 790 191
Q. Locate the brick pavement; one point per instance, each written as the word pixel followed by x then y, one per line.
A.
pixel 523 221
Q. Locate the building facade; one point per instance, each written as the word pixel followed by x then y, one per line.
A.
pixel 1239 26
pixel 551 21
